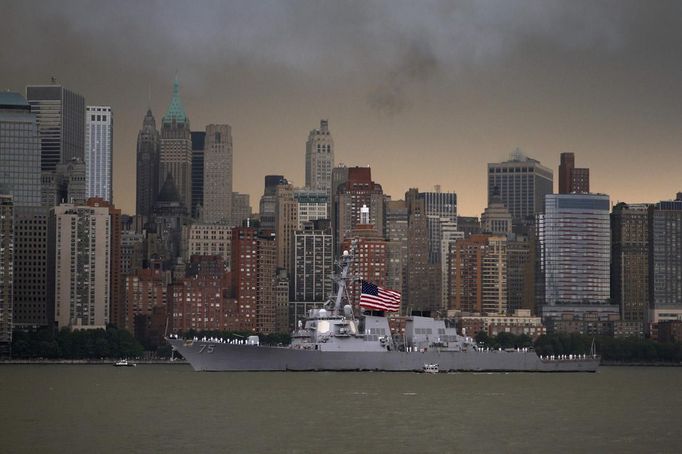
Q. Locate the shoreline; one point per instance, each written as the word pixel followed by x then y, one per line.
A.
pixel 93 362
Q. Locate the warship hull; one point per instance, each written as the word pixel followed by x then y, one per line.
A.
pixel 217 357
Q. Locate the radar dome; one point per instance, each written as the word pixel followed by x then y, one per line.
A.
pixel 345 253
pixel 348 310
pixel 322 313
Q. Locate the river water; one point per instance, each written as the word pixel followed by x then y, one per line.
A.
pixel 171 409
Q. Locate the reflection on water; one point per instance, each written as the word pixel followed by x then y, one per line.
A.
pixel 173 409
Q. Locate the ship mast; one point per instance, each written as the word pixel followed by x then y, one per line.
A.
pixel 342 280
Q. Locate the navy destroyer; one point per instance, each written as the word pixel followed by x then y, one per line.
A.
pixel 333 338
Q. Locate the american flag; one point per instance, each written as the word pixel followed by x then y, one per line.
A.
pixel 379 299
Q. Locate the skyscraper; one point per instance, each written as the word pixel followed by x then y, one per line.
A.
pixel 313 262
pixel 6 272
pixel 572 179
pixel 148 152
pixel 268 201
pixel 198 145
pixel 286 224
pixel 61 121
pixel 241 208
pixel 99 139
pixel 396 245
pixel 575 247
pixel 319 158
pixel 478 275
pixel 440 208
pixel 79 270
pixel 116 285
pixel 218 174
pixel 358 191
pixel 630 260
pixel 665 260
pixel 313 204
pixel 19 150
pixel 30 268
pixel 176 147
pixel 496 218
pixel 522 183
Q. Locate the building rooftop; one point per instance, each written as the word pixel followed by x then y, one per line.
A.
pixel 12 100
pixel 176 111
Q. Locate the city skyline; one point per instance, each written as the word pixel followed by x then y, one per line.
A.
pixel 423 96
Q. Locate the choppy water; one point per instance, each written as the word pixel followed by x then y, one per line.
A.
pixel 172 409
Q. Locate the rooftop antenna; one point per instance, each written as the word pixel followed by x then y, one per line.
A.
pixel 149 96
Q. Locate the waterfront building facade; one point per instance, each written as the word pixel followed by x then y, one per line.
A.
pixel 575 250
pixel 665 260
pixel 630 260
pixel 79 268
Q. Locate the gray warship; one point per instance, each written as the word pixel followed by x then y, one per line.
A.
pixel 333 338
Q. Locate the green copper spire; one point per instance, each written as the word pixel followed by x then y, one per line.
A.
pixel 175 109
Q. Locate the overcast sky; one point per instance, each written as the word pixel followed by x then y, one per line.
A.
pixel 424 92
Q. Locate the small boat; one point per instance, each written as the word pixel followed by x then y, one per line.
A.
pixel 124 363
pixel 430 368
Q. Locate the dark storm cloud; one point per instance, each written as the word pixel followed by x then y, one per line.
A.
pixel 471 77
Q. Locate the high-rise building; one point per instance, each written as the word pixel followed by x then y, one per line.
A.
pixel 65 184
pixel 370 262
pixel 61 122
pixel 313 261
pixel 478 275
pixel 450 235
pixel 148 155
pixel 145 290
pixel 572 179
pixel 630 260
pixel 19 150
pixel 218 174
pixel 255 281
pixel 440 208
pixel 99 143
pixel 268 201
pixel 519 278
pixel 6 272
pixel 116 284
pixel 286 224
pixel 169 215
pixel 313 204
pixel 358 191
pixel 522 183
pixel 198 145
pixel 396 243
pixel 176 147
pixel 79 269
pixel 200 300
pixel 496 218
pixel 422 278
pixel 319 159
pixel 241 208
pixel 244 268
pixel 30 268
pixel 575 249
pixel 665 260
pixel 208 239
